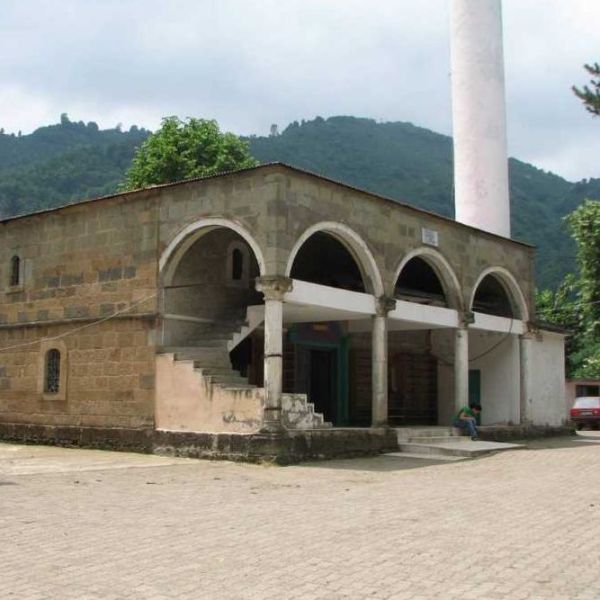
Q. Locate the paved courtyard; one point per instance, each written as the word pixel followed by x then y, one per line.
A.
pixel 81 524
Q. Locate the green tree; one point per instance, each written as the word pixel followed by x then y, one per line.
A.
pixel 584 225
pixel 590 94
pixel 576 303
pixel 184 150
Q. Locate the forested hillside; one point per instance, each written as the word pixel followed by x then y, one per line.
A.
pixel 70 161
pixel 63 163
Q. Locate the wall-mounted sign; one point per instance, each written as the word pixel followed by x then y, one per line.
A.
pixel 429 237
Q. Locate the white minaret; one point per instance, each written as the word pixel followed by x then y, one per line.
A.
pixel 479 116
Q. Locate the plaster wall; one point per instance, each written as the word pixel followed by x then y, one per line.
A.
pixel 185 401
pixel 500 375
pixel 549 406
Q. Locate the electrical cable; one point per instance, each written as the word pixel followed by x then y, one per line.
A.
pixel 77 329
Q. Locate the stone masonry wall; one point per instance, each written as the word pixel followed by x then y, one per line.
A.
pixel 391 231
pixel 109 375
pixel 80 264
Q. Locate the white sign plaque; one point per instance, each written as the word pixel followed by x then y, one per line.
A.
pixel 429 237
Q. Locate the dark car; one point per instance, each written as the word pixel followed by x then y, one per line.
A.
pixel 586 411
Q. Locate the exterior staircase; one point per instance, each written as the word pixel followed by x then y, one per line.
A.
pixel 444 443
pixel 208 355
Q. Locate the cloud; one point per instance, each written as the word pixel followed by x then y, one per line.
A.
pixel 250 64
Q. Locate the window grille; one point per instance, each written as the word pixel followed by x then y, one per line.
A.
pixel 15 270
pixel 52 371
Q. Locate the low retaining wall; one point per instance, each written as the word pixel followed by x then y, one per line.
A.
pixel 286 447
pixel 506 433
pixel 131 440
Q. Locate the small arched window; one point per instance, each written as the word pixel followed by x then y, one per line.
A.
pixel 52 372
pixel 15 270
pixel 238 265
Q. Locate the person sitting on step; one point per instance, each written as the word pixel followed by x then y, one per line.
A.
pixel 467 419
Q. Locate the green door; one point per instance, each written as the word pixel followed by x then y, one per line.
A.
pixel 475 389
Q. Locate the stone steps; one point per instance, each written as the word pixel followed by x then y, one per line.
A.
pixel 439 442
pixel 227 380
pixel 432 439
pixel 209 357
pixel 443 449
pixel 300 414
pixel 405 433
pixel 201 356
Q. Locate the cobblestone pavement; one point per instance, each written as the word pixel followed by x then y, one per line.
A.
pixel 78 524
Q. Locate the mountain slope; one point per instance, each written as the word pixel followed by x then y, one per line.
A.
pixel 62 163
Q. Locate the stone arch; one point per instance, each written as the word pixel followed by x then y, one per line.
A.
pixel 440 265
pixel 355 245
pixel 509 283
pixel 181 243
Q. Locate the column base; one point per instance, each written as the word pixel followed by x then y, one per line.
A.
pixel 272 421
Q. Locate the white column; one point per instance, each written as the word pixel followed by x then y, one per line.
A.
pixel 461 367
pixel 379 353
pixel 479 116
pixel 525 360
pixel 273 289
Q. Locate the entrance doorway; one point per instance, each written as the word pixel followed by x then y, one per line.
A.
pixel 321 384
pixel 475 389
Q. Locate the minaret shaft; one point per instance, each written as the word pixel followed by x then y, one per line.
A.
pixel 479 116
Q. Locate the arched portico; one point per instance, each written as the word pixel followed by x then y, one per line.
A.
pixel 428 310
pixel 336 282
pixel 509 285
pixel 442 269
pixel 182 241
pixel 497 347
pixel 355 245
pixel 207 275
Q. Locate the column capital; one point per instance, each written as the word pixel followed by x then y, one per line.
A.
pixel 531 332
pixel 465 318
pixel 384 305
pixel 273 287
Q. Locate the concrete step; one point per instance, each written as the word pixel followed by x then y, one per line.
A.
pixel 430 457
pixel 219 371
pixel 466 448
pixel 196 350
pixel 404 433
pixel 228 380
pixel 210 341
pixel 201 338
pixel 225 324
pixel 232 387
pixel 434 439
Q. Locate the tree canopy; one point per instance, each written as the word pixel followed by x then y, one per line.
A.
pixel 590 94
pixel 576 303
pixel 184 150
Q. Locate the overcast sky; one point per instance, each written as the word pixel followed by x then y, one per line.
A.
pixel 250 63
